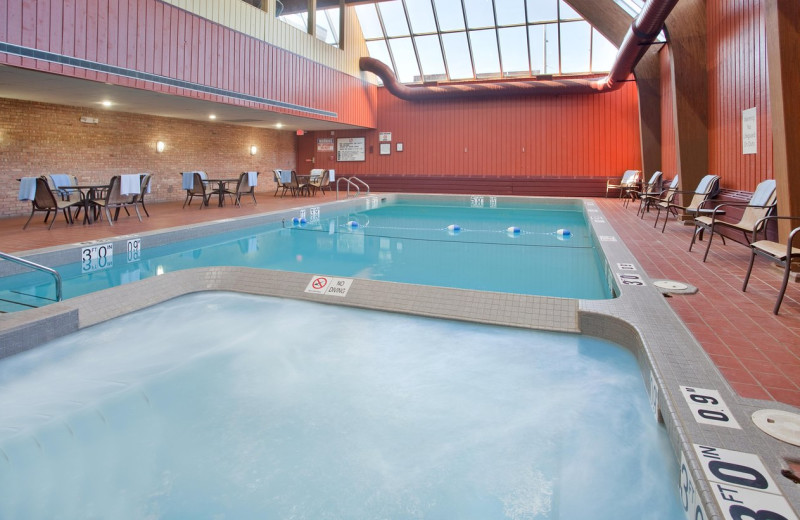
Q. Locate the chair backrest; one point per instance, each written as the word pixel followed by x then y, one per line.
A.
pixel 44 198
pixel 325 179
pixel 765 195
pixel 630 177
pixel 198 186
pixel 294 183
pixel 654 184
pixel 242 185
pixel 707 187
pixel 145 183
pixel 278 177
pixel 113 195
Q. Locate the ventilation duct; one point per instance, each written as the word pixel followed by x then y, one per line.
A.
pixel 643 31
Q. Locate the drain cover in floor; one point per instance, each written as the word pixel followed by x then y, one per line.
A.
pixel 779 424
pixel 673 287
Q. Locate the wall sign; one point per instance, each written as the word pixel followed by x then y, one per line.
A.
pixel 329 286
pixel 325 144
pixel 749 131
pixel 384 136
pixel 349 149
pixel 386 148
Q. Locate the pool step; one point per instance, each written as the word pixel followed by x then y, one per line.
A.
pixel 14 301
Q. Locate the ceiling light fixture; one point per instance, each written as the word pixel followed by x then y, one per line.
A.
pixel 278 125
pixel 212 116
pixel 106 103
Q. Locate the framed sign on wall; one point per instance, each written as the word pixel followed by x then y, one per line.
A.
pixel 350 149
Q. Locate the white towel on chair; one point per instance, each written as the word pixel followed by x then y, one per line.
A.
pixel 61 179
pixel 129 184
pixel 188 180
pixel 286 176
pixel 27 188
pixel 252 178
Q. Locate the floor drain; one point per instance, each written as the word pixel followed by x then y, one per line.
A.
pixel 673 287
pixel 782 425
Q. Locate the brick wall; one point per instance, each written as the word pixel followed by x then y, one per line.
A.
pixel 38 138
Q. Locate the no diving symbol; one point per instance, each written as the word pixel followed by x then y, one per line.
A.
pixel 319 283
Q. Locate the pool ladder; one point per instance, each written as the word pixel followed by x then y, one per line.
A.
pixel 351 181
pixel 38 267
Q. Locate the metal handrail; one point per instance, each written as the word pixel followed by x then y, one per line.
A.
pixel 349 181
pixel 38 267
pixel 362 182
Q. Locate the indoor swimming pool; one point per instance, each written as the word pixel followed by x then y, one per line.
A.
pixel 217 405
pixel 511 245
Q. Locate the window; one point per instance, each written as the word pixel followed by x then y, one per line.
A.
pixel 451 40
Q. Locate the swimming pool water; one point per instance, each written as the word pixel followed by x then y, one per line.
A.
pixel 230 406
pixel 405 242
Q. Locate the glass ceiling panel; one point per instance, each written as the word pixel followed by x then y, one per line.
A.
pixel 421 14
pixel 370 25
pixel 431 59
pixel 328 25
pixel 484 53
pixel 536 40
pixel 405 60
pixel 603 52
pixel 514 51
pixel 530 38
pixel 457 55
pixel 551 56
pixel 450 15
pixel 576 39
pixel 479 13
pixel 510 12
pixel 394 18
pixel 633 7
pixel 542 10
pixel 567 12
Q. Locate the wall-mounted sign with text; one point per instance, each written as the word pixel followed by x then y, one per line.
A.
pixel 749 131
pixel 351 149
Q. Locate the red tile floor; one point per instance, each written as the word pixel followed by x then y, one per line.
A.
pixel 757 352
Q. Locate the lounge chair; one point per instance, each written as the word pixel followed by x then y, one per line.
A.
pixel 320 182
pixel 278 182
pixel 144 189
pixel 114 199
pixel 761 203
pixel 662 197
pixel 629 180
pixel 245 185
pixel 706 188
pixel 652 187
pixel 296 187
pixel 283 178
pixel 782 254
pixel 45 200
pixel 195 188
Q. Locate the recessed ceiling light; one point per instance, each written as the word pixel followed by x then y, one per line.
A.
pixel 212 116
pixel 106 103
pixel 278 125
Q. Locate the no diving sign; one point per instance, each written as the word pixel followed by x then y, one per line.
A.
pixel 329 286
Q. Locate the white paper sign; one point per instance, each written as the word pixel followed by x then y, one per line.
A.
pixel 749 131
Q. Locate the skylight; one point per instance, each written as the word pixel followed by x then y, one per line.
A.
pixel 453 40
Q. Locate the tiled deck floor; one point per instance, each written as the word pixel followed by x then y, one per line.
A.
pixel 757 352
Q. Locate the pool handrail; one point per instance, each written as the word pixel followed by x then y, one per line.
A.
pixel 38 267
pixel 350 182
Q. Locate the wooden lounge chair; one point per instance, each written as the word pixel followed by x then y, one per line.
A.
pixel 115 200
pixel 629 180
pixel 652 187
pixel 761 203
pixel 782 254
pixel 706 188
pixel 46 201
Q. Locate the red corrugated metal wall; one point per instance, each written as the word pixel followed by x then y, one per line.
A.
pixel 669 164
pixel 157 38
pixel 738 80
pixel 574 136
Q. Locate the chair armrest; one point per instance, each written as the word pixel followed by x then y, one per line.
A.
pixel 761 224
